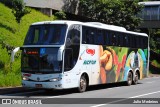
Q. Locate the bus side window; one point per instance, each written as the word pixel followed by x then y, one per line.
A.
pixel 125 40
pixel 107 38
pixel 145 42
pixel 137 41
pixel 118 39
pixel 130 40
pixel 114 39
pixel 142 42
pixel 84 34
pixel 74 36
pixel 72 47
pixel 91 35
pixel 87 39
pixel 99 37
pixel 121 39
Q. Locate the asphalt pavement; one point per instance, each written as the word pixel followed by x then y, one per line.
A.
pixel 108 95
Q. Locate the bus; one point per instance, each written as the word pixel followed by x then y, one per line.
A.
pixel 71 54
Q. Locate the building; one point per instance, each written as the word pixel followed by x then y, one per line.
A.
pixel 150 14
pixel 49 6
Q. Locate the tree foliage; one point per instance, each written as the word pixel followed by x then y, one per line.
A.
pixel 19 10
pixel 116 12
pixel 7 3
pixel 60 15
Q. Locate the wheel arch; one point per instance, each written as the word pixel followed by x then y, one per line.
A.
pixel 138 71
pixel 86 76
pixel 132 73
pixel 126 74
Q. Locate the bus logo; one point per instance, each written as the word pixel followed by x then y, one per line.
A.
pixel 90 51
pixel 38 79
pixel 89 62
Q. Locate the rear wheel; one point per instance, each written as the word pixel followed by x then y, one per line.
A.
pixel 129 79
pixel 83 84
pixel 135 81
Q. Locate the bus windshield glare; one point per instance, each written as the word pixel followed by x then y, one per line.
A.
pixel 46 34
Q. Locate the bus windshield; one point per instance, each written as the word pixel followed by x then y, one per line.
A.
pixel 46 34
pixel 41 60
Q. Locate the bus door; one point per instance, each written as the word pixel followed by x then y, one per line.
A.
pixel 71 54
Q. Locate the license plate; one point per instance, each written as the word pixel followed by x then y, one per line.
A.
pixel 38 85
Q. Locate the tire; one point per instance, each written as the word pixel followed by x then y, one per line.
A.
pixel 82 84
pixel 129 79
pixel 135 81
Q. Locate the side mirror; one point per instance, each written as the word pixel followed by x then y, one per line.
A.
pixel 13 53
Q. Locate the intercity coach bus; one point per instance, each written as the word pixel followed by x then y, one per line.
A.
pixel 70 54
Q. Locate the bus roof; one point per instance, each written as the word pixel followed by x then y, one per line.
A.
pixel 92 24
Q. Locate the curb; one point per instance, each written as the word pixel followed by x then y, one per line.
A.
pixel 153 75
pixel 15 90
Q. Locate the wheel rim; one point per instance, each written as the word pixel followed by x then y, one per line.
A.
pixel 136 78
pixel 129 78
pixel 82 84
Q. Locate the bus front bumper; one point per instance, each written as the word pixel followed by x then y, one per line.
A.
pixel 42 85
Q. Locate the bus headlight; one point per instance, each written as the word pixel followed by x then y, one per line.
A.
pixel 25 78
pixel 55 79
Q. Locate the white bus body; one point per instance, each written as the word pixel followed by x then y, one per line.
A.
pixel 80 62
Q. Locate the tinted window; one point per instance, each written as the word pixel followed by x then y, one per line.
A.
pixel 46 34
pixel 88 35
pixel 100 37
pixel 73 36
pixel 121 39
pixel 72 47
pixel 113 38
pixel 108 38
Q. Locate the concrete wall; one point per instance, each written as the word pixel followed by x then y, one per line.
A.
pixel 69 6
pixel 53 4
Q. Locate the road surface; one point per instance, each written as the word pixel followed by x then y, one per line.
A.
pixel 108 95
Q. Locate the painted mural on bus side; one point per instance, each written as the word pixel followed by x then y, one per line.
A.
pixel 116 62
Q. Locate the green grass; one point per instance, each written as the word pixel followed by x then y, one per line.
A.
pixel 13 34
pixel 10 79
pixel 154 67
pixel 155 63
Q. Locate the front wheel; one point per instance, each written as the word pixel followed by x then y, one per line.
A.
pixel 83 84
pixel 129 79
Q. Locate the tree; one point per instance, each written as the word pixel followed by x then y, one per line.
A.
pixel 116 12
pixel 60 15
pixel 19 10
